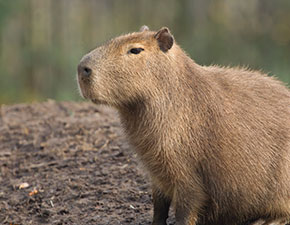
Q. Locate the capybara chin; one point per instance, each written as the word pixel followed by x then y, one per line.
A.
pixel 215 140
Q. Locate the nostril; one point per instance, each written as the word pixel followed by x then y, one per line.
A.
pixel 86 71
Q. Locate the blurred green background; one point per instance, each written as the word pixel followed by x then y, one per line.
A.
pixel 42 41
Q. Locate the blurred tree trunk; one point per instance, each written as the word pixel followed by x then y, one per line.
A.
pixel 41 33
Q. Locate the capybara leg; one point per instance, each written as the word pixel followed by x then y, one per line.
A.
pixel 184 216
pixel 281 221
pixel 189 203
pixel 258 222
pixel 161 205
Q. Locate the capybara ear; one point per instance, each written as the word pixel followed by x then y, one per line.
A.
pixel 144 28
pixel 164 38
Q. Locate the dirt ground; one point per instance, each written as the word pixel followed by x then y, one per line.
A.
pixel 68 163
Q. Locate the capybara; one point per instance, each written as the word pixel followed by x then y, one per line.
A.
pixel 214 140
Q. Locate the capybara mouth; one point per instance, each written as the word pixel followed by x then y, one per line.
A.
pixel 97 101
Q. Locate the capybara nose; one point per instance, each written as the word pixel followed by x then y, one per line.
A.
pixel 84 71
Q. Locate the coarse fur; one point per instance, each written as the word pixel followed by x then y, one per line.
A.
pixel 215 140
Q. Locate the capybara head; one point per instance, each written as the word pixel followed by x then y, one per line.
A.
pixel 126 68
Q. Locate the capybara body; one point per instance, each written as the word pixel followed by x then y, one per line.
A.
pixel 215 141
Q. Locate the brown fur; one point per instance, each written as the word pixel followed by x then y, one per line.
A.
pixel 215 141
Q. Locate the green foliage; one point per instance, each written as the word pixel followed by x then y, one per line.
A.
pixel 41 42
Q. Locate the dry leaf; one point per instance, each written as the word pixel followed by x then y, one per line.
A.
pixel 23 185
pixel 34 192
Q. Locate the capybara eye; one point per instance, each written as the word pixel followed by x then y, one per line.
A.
pixel 136 50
